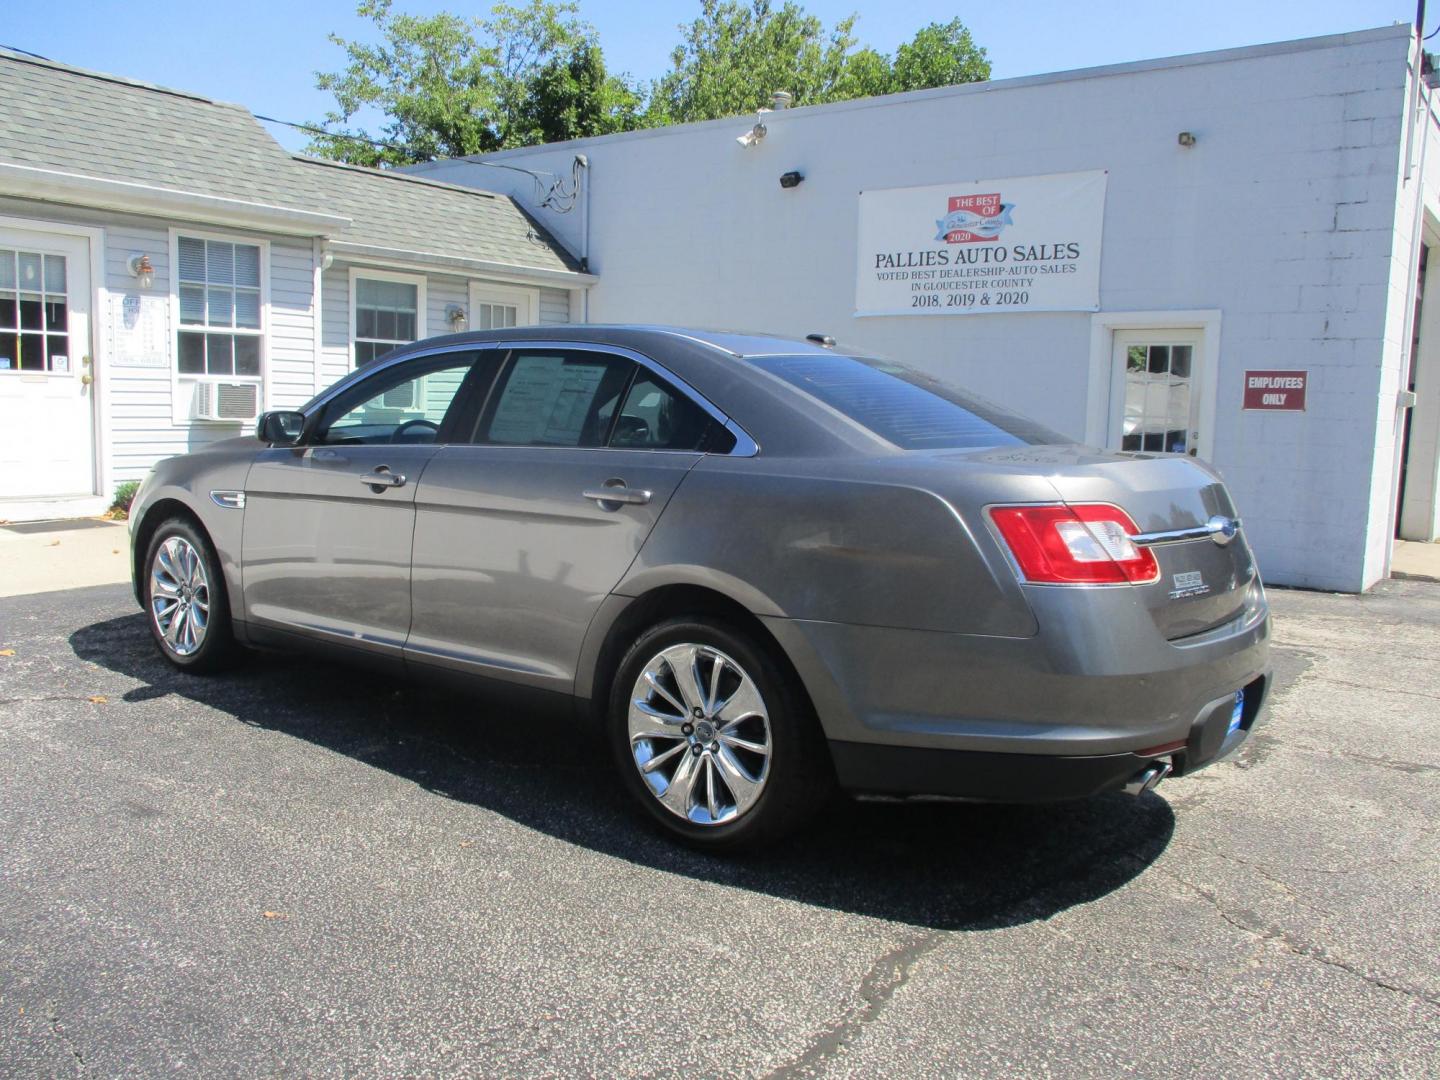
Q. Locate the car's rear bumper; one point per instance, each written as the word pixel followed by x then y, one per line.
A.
pixel 989 776
pixel 1032 719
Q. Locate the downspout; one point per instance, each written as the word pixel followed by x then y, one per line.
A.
pixel 583 162
pixel 317 341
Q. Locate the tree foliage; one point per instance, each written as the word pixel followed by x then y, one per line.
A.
pixel 736 54
pixel 446 86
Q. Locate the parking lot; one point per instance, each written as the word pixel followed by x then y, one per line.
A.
pixel 299 869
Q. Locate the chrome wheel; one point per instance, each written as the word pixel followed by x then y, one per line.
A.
pixel 699 734
pixel 179 596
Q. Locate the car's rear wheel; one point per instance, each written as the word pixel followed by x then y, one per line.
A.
pixel 714 738
pixel 186 603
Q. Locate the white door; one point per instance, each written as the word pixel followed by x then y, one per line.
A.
pixel 498 307
pixel 1155 391
pixel 47 424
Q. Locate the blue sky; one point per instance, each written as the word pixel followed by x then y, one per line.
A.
pixel 263 53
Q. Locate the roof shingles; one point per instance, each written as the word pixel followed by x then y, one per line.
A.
pixel 95 125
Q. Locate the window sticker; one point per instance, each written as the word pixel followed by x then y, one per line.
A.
pixel 546 401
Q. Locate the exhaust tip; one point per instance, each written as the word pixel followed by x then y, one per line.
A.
pixel 1148 778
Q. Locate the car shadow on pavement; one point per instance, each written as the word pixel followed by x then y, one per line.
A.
pixel 937 865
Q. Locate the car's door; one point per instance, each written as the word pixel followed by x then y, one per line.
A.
pixel 329 523
pixel 520 535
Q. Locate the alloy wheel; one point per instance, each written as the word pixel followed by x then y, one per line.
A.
pixel 179 596
pixel 699 734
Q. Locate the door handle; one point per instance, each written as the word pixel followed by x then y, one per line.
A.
pixel 382 478
pixel 617 495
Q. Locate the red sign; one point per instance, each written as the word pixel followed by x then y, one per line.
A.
pixel 1277 391
pixel 974 218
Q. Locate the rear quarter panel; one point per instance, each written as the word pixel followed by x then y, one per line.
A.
pixel 817 541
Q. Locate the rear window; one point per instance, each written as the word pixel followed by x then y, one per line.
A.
pixel 903 406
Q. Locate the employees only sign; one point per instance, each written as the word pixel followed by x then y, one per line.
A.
pixel 1029 243
pixel 1276 391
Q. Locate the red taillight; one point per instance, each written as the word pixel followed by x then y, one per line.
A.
pixel 1082 544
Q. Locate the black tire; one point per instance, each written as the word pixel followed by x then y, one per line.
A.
pixel 799 778
pixel 216 647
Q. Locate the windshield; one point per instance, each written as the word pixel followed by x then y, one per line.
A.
pixel 903 406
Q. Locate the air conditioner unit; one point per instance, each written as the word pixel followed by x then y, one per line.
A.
pixel 236 402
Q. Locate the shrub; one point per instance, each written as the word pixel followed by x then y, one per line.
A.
pixel 124 496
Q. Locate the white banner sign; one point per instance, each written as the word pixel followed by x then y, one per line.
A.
pixel 1029 243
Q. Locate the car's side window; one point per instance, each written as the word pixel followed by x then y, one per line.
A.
pixel 655 416
pixel 556 397
pixel 406 404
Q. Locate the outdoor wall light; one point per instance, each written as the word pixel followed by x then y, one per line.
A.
pixel 142 270
pixel 753 136
pixel 1186 138
pixel 456 317
pixel 791 179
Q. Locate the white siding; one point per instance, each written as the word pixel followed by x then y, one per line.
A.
pixel 291 374
pixel 554 306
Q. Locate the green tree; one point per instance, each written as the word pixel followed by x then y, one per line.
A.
pixel 941 54
pixel 572 97
pixel 447 86
pixel 736 54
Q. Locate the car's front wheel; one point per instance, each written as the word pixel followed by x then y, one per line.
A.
pixel 185 599
pixel 714 738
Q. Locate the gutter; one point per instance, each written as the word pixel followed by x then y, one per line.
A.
pixel 50 185
pixel 565 279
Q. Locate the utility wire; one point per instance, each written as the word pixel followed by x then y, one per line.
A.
pixel 551 190
pixel 26 52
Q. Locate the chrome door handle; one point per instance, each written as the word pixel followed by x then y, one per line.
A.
pixel 383 478
pixel 634 496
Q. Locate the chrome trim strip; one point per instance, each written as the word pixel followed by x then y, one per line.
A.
pixel 230 500
pixel 1220 529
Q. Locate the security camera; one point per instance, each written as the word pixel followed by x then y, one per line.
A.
pixel 752 137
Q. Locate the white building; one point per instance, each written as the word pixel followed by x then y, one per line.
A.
pixel 167 270
pixel 1257 211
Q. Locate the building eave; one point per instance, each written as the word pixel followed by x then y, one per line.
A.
pixel 464 265
pixel 51 185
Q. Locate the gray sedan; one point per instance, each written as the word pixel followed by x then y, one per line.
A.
pixel 769 568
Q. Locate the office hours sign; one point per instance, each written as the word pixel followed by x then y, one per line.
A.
pixel 1027 243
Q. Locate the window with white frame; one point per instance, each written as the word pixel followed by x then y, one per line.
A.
pixel 489 316
pixel 498 307
pixel 387 314
pixel 220 328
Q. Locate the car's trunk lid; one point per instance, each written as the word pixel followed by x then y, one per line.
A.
pixel 1203 584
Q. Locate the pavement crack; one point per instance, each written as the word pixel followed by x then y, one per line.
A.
pixel 1378 689
pixel 886 976
pixel 52 1013
pixel 1413 768
pixel 1250 923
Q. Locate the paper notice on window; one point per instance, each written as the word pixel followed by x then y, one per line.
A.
pixel 546 401
pixel 139 331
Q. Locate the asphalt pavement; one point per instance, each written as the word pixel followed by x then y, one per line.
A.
pixel 300 869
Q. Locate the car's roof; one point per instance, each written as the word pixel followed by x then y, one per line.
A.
pixel 737 343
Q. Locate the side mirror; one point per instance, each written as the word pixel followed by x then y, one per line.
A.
pixel 280 428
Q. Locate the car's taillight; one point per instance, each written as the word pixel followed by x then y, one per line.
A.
pixel 1080 544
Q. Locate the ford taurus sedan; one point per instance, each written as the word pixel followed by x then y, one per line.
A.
pixel 767 567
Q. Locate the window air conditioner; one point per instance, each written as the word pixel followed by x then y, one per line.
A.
pixel 239 402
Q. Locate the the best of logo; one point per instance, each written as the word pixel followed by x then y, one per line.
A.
pixel 973 218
